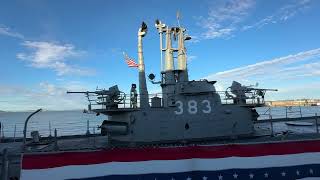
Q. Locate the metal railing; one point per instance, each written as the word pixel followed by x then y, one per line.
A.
pixel 250 98
pixel 15 133
pixel 269 115
pixel 285 112
pixel 290 116
pixel 125 101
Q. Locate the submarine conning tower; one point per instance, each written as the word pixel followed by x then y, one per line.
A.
pixel 169 74
pixel 187 110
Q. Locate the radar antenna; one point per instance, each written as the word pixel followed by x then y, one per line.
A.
pixel 161 28
pixel 178 18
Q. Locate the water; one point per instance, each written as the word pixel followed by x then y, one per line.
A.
pixel 66 122
pixel 290 112
pixel 75 122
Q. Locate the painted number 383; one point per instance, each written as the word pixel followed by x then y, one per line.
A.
pixel 192 107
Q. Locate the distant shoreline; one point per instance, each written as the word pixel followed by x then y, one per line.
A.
pixel 42 110
pixel 298 102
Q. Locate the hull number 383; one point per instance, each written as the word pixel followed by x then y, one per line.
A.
pixel 192 107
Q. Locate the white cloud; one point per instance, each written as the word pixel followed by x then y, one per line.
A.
pixel 53 56
pixel 296 91
pixel 116 51
pixel 269 66
pixel 290 10
pixel 223 18
pixel 283 14
pixel 49 55
pixel 305 70
pixel 191 58
pixel 44 95
pixel 194 39
pixel 291 68
pixel 8 32
pixel 11 90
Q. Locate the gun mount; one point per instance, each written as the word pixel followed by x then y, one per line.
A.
pixel 109 99
pixel 240 94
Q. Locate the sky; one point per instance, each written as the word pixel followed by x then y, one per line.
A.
pixel 49 47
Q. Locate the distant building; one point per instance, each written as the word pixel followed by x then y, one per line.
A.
pixel 297 102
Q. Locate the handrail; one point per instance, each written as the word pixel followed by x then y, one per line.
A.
pixel 287 119
pixel 277 116
pixel 125 101
pixel 25 125
pixel 5 164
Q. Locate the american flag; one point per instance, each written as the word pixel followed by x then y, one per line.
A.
pixel 261 161
pixel 130 61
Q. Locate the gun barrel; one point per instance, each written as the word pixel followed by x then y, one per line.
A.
pixel 262 89
pixel 102 92
pixel 270 89
pixel 78 92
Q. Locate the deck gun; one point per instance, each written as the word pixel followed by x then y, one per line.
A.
pixel 241 93
pixel 108 98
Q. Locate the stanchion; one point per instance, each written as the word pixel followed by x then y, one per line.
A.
pixel 56 147
pixel 271 123
pixel 317 123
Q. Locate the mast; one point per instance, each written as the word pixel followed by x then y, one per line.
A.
pixel 169 63
pixel 182 59
pixel 161 28
pixel 169 52
pixel 144 97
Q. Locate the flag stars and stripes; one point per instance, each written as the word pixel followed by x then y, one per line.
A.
pixel 274 166
pixel 251 175
pixel 235 176
pixel 311 171
pixel 130 61
pixel 238 175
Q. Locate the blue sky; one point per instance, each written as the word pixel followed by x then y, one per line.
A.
pixel 49 47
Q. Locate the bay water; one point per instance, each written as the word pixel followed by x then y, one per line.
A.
pixel 75 122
